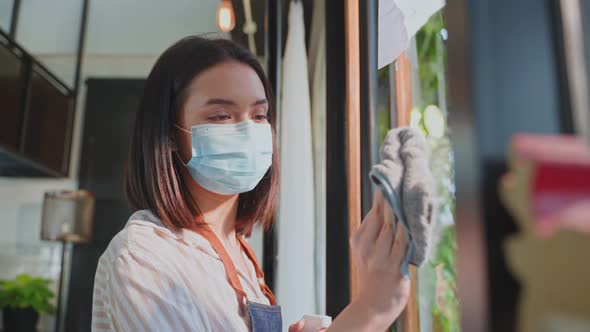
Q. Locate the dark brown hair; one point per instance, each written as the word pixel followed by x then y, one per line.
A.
pixel 153 179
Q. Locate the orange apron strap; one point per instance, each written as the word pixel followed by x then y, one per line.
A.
pixel 259 274
pixel 234 280
pixel 229 266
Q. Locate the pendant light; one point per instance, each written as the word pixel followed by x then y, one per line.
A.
pixel 226 19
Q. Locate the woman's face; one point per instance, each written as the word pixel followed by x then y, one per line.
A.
pixel 230 92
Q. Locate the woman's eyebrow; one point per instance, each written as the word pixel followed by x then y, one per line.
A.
pixel 219 101
pixel 260 102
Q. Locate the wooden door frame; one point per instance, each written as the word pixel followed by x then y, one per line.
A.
pixel 354 120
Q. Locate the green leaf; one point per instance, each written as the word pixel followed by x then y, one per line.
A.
pixel 27 292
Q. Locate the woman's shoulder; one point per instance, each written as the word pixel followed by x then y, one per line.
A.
pixel 142 237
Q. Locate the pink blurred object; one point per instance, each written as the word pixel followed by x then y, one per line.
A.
pixel 561 149
pixel 575 216
pixel 560 190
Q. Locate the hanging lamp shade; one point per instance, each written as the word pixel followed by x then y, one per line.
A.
pixel 226 18
pixel 67 216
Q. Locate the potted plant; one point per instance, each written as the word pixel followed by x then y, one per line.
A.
pixel 22 300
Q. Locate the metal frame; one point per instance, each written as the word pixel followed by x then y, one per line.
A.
pixel 31 66
pixel 8 38
pixel 566 120
pixel 76 88
pixel 81 42
pixel 9 41
pixel 274 46
pixel 14 18
pixel 64 281
pixel 337 204
pixel 392 92
pixel 572 69
pixel 368 15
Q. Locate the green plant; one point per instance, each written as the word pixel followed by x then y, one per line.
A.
pixel 446 304
pixel 431 59
pixel 27 292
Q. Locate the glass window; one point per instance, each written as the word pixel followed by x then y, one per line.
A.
pixel 437 290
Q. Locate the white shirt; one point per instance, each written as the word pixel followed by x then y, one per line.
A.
pixel 153 279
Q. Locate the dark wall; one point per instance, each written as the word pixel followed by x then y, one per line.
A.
pixel 514 70
pixel 111 105
pixel 516 89
pixel 503 79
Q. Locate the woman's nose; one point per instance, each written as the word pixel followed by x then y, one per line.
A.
pixel 243 116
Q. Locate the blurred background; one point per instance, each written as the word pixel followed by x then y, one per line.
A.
pixel 499 89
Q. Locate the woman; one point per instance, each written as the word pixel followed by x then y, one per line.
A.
pixel 202 171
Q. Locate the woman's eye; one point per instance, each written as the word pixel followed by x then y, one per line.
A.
pixel 260 117
pixel 219 118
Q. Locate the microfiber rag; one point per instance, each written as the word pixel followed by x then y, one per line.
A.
pixel 407 184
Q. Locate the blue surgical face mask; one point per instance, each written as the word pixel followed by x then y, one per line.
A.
pixel 230 159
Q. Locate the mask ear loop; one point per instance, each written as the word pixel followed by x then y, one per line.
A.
pixel 179 127
pixel 180 158
pixel 176 147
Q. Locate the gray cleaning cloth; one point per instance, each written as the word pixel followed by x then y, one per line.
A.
pixel 407 184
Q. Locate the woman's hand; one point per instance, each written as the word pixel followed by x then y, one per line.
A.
pixel 378 254
pixel 300 327
pixel 297 327
pixel 382 290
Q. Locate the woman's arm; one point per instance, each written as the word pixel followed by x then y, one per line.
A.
pixel 138 296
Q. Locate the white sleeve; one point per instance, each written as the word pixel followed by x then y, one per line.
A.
pixel 134 295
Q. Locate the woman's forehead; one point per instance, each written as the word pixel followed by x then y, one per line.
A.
pixel 230 80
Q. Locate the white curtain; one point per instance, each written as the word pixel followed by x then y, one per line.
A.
pixel 295 270
pixel 317 75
